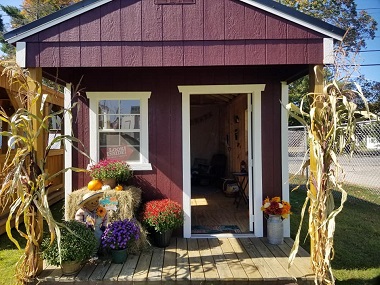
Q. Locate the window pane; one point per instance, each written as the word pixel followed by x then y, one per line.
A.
pixel 131 122
pixel 129 107
pixel 109 122
pixel 109 107
pixel 120 146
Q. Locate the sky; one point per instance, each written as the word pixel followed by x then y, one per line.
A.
pixel 369 59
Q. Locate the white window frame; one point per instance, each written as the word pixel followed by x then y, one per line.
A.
pixel 143 97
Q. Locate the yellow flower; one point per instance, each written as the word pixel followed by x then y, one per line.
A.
pixel 276 199
pixel 101 211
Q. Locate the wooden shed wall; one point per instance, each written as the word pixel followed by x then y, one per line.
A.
pixel 141 33
pixel 165 121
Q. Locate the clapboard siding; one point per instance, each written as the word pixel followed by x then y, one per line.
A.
pixel 211 32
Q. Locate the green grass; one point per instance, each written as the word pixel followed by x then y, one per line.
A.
pixel 356 240
pixel 9 254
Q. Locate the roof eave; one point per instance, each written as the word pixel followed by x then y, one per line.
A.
pixel 298 17
pixel 52 19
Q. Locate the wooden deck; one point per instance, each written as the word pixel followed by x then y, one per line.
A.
pixel 197 261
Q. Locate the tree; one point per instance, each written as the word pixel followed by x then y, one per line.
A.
pixel 16 20
pixel 36 9
pixel 360 26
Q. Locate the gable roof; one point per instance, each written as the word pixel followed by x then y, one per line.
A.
pixel 79 8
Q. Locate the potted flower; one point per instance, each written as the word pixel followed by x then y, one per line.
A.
pixel 77 244
pixel 110 172
pixel 118 237
pixel 275 210
pixel 161 217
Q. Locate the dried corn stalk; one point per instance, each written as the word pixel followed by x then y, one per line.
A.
pixel 330 125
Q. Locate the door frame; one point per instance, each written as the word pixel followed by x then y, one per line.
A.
pixel 254 143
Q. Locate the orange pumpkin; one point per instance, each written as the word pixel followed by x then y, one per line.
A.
pixel 119 187
pixel 94 185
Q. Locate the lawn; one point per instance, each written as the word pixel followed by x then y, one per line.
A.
pixel 357 246
pixel 9 254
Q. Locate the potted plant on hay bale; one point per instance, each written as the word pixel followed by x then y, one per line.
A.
pixel 118 237
pixel 110 172
pixel 161 217
pixel 77 244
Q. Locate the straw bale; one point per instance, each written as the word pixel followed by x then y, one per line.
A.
pixel 129 200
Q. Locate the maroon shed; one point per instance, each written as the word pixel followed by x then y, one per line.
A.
pixel 166 83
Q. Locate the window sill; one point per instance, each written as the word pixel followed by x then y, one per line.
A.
pixel 140 166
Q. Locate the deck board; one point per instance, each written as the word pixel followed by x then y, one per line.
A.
pixel 155 271
pixel 224 270
pixel 194 261
pixel 126 273
pixel 170 261
pixel 233 260
pixel 183 270
pixel 247 263
pixel 208 263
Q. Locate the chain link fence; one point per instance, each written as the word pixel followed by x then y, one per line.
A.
pixel 361 170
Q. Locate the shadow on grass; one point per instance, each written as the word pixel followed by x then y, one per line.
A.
pixel 373 281
pixel 7 244
pixel 356 235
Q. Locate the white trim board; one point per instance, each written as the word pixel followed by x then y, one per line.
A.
pixel 284 152
pixel 68 147
pixel 255 90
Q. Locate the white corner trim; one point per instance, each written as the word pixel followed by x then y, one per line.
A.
pixel 293 19
pixel 328 51
pixel 284 152
pixel 68 147
pixel 56 21
pixel 21 54
pixel 257 154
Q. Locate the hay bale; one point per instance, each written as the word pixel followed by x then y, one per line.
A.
pixel 128 202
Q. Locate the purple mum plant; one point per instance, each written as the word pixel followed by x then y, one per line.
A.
pixel 120 234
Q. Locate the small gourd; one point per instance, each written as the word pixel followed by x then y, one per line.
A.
pixel 106 187
pixel 94 185
pixel 119 187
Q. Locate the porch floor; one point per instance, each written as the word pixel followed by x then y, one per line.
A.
pixel 213 260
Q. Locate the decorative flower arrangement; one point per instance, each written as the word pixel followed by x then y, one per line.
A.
pixel 120 234
pixel 110 168
pixel 162 215
pixel 276 206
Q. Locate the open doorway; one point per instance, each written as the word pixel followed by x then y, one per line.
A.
pixel 219 149
pixel 254 166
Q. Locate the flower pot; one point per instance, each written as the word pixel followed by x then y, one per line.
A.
pixel 162 239
pixel 275 229
pixel 70 267
pixel 110 181
pixel 118 256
